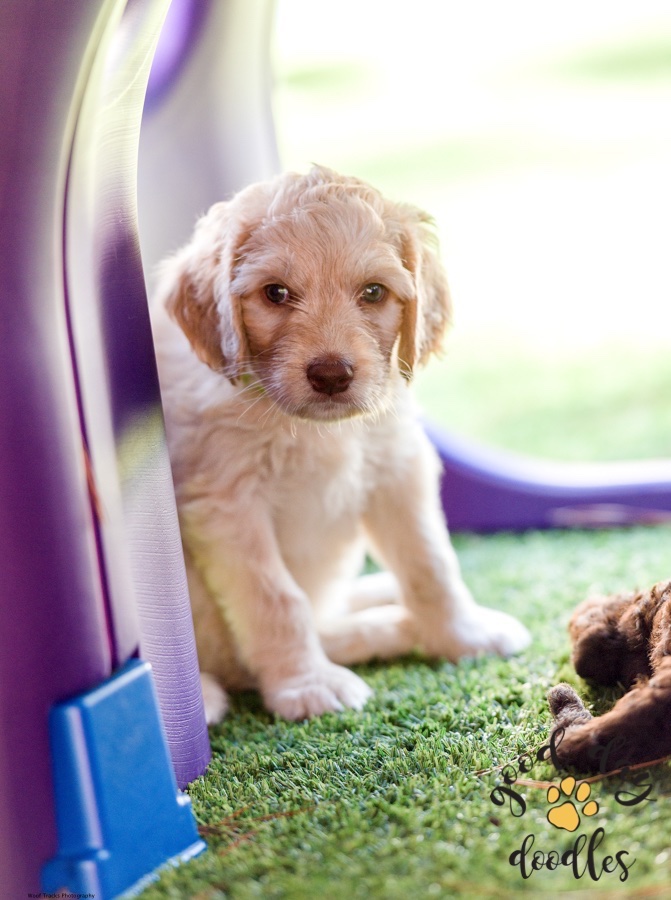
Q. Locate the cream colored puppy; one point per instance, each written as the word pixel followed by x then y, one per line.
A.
pixel 287 331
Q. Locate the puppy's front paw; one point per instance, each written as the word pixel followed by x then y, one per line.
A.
pixel 215 699
pixel 477 630
pixel 326 688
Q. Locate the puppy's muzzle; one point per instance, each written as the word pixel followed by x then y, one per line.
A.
pixel 330 375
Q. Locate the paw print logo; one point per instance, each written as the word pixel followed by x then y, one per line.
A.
pixel 566 816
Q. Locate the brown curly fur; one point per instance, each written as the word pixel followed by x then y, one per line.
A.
pixel 622 639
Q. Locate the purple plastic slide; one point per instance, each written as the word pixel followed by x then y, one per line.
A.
pixel 485 489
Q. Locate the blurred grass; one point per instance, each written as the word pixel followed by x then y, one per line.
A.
pixel 646 58
pixel 612 403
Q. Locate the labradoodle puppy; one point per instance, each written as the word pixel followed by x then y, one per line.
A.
pixel 287 332
pixel 623 639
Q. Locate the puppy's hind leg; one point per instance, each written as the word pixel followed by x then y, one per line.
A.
pixel 379 632
pixel 367 621
pixel 375 589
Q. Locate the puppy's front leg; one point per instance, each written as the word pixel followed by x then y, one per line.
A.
pixel 406 525
pixel 270 617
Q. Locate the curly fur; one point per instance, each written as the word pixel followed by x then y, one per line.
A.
pixel 281 487
pixel 622 639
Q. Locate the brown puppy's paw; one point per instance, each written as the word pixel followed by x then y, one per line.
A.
pixel 600 649
pixel 572 731
pixel 569 714
pixel 566 704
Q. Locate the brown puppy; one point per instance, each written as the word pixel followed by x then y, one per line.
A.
pixel 625 639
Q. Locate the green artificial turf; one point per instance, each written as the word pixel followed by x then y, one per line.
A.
pixel 387 802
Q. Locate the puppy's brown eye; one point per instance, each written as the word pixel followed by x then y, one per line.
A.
pixel 276 293
pixel 373 293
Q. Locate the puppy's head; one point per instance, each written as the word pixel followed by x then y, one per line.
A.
pixel 316 287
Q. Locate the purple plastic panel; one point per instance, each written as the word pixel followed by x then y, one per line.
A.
pixel 179 35
pixel 212 133
pixel 53 634
pixel 489 490
pixel 81 545
pixel 137 522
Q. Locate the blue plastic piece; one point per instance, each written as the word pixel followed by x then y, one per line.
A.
pixel 119 813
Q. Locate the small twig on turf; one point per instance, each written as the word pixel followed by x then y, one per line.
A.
pixel 527 782
pixel 232 829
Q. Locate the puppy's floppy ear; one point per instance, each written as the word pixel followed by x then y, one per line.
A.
pixel 195 288
pixel 427 314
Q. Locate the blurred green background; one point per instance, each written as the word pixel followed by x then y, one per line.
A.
pixel 538 137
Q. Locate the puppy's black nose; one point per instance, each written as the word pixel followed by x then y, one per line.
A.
pixel 330 375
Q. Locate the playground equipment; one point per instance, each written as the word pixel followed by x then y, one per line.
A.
pixel 95 741
pixel 88 526
pixel 485 489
